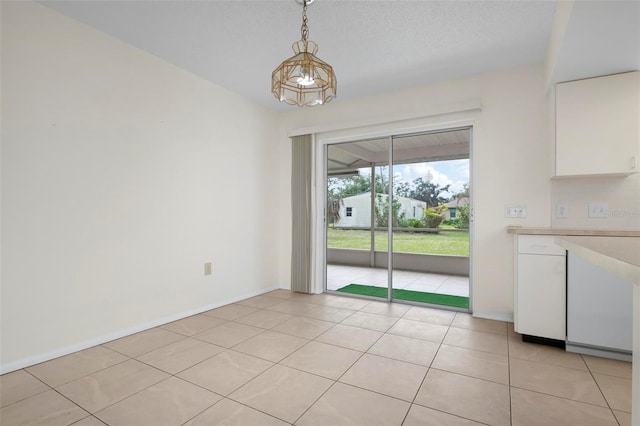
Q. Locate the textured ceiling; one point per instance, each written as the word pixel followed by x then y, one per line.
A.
pixel 374 46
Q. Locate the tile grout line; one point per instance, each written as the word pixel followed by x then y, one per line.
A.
pixel 600 390
pixel 345 371
pixel 49 388
pixel 31 396
pixel 199 413
pixel 130 358
pixel 228 396
pixel 429 368
pixel 91 414
pixel 279 363
pixel 223 397
pixel 509 375
pixel 569 368
pixel 286 366
pixel 317 375
pixel 314 402
pixel 563 397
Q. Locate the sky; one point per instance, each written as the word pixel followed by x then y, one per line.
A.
pixel 451 172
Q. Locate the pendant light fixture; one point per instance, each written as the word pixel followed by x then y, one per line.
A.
pixel 304 79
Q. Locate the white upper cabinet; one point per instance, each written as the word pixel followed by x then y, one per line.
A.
pixel 598 126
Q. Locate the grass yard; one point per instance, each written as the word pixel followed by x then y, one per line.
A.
pixel 446 242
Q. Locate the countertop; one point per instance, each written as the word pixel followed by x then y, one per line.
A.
pixel 572 232
pixel 620 255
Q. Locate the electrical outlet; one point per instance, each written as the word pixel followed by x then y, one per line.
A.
pixel 562 211
pixel 208 268
pixel 599 210
pixel 515 210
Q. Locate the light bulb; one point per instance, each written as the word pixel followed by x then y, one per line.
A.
pixel 305 78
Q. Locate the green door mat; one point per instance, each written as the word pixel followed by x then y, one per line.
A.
pixel 414 296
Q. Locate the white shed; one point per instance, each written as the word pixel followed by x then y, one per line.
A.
pixel 356 210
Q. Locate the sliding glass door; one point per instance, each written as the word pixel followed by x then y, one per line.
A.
pixel 430 180
pixel 355 251
pixel 408 196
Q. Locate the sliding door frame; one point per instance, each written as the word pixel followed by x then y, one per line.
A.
pixel 389 224
pixel 389 130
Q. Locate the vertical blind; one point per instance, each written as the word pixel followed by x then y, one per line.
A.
pixel 301 174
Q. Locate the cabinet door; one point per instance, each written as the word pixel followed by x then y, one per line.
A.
pixel 600 306
pixel 541 296
pixel 597 125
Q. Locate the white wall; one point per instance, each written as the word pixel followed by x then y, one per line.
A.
pixel 621 193
pixel 511 162
pixel 121 176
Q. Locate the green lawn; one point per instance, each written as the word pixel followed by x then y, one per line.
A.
pixel 452 243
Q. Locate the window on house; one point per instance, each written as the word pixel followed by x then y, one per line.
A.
pixel 349 211
pixel 452 213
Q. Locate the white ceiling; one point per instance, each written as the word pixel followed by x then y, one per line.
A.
pixel 374 45
pixel 601 37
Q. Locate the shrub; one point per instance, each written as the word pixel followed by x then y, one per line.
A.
pixel 414 223
pixel 456 223
pixel 410 223
pixel 433 216
pixel 463 220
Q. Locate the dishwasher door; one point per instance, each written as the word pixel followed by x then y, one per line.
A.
pixel 599 310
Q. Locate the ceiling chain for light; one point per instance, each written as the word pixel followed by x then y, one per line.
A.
pixel 304 30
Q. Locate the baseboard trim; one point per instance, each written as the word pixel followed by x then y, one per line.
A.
pixel 66 350
pixel 496 317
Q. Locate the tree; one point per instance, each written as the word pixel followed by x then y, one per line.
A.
pixel 333 210
pixel 429 192
pixel 382 183
pixel 463 208
pixel 382 212
pixel 403 189
pixel 343 187
pixel 463 222
pixel 462 194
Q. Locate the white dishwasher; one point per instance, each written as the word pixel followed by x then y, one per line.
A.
pixel 599 311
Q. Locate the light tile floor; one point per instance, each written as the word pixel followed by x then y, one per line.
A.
pixel 286 358
pixel 339 276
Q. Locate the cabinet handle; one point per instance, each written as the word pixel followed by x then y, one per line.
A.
pixel 634 162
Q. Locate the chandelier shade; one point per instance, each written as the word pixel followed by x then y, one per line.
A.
pixel 304 79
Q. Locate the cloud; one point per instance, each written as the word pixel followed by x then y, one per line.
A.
pixel 462 168
pixel 439 173
pixel 453 172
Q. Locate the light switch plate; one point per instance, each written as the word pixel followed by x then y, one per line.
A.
pixel 562 211
pixel 515 210
pixel 599 210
